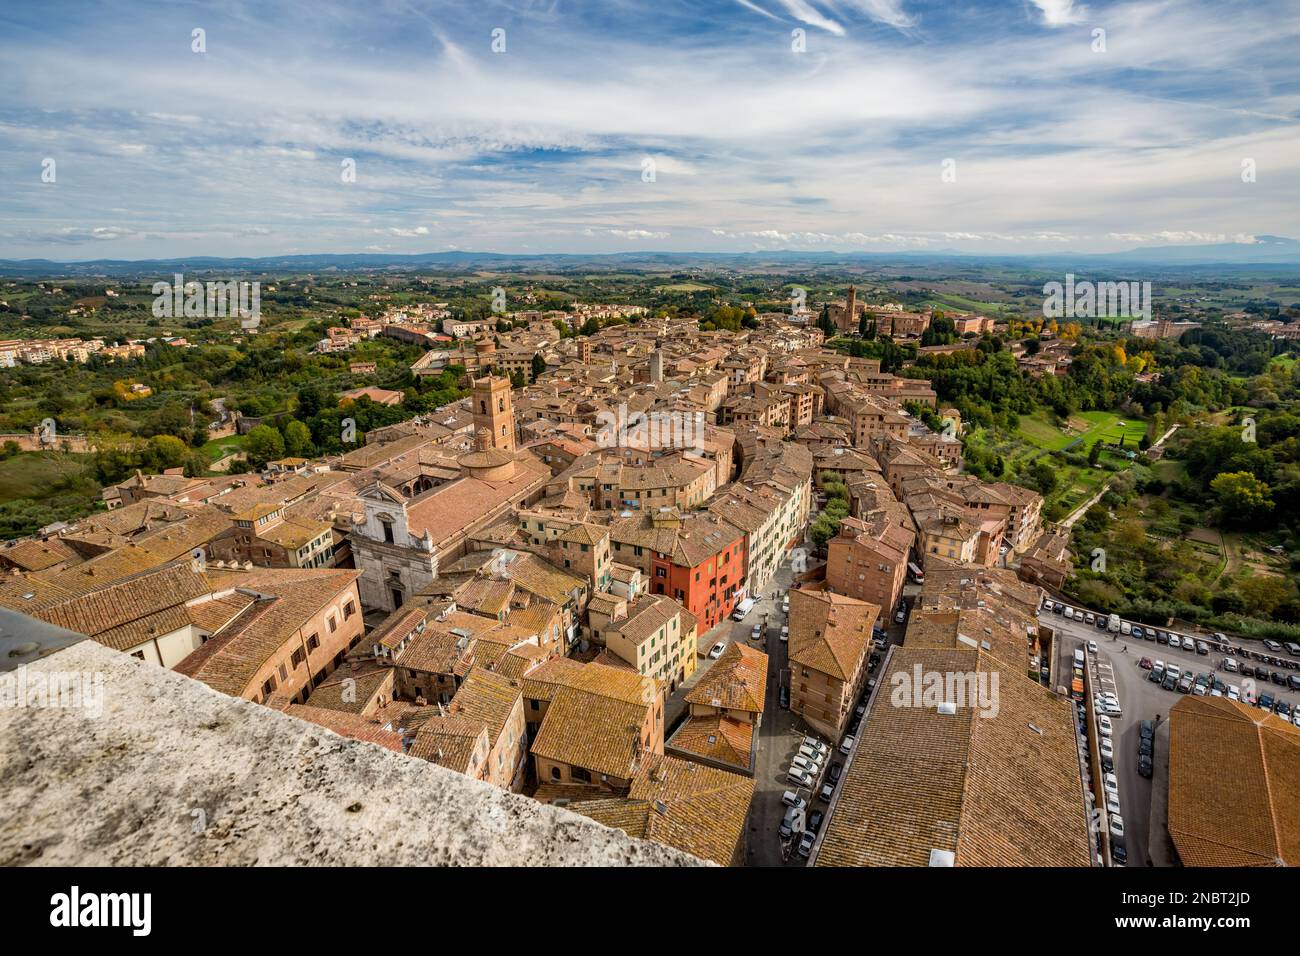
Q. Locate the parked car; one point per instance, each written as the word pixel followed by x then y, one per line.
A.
pixel 815 821
pixel 1282 709
pixel 800 777
pixel 1233 692
pixel 716 651
pixel 1136 631
pixel 1092 647
pixel 1125 627
pixel 756 633
pixel 826 792
pixel 900 616
pixel 1117 827
pixel 793 817
pixel 1111 783
pixel 1089 617
pixel 1145 766
pixel 785 633
pixel 836 770
pixel 1265 702
pixel 806 844
pixel 1118 853
pixel 785 697
pixel 1101 624
pixel 1112 803
pixel 815 744
pixel 1202 648
pixel 1147 729
pixel 846 745
pixel 806 764
pixel 1246 671
pixel 1107 748
pixel 1185 684
pixel 792 799
pixel 1146 664
pixel 1273 646
pixel 1157 674
pixel 1162 637
pixel 1104 725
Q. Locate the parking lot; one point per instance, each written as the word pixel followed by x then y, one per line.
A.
pixel 1118 670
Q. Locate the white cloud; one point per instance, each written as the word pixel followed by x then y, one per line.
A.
pixel 1059 13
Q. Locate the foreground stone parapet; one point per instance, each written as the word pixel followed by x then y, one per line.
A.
pixel 161 770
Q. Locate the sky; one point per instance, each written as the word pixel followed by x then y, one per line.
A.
pixel 1001 126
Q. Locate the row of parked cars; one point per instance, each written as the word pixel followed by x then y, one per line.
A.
pixel 1271 654
pixel 805 769
pixel 1172 677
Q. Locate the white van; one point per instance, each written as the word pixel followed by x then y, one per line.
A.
pixel 1078 657
pixel 743 608
pixel 1125 627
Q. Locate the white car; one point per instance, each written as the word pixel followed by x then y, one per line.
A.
pixel 1295 716
pixel 1234 693
pixel 1069 613
pixel 1092 647
pixel 1112 804
pixel 815 744
pixel 1189 644
pixel 799 777
pixel 717 650
pixel 1125 627
pixel 1107 748
pixel 792 799
pixel 785 632
pixel 1111 783
pixel 1117 826
pixel 812 756
pixel 900 617
pixel 806 764
pixel 1103 724
pixel 756 633
pixel 846 744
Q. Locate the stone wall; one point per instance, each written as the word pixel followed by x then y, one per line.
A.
pixel 165 771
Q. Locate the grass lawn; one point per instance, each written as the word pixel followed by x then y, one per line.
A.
pixel 1085 428
pixel 219 448
pixel 33 474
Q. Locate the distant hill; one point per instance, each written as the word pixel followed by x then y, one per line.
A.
pixel 1265 250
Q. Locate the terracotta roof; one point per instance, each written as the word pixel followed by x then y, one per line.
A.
pixel 829 632
pixel 682 804
pixel 736 681
pixel 1234 777
pixel 999 789
pixel 724 739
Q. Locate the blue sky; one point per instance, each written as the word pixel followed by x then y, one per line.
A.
pixel 162 151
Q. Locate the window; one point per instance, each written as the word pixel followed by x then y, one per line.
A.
pixel 348 610
pixel 313 642
pixel 297 657
pixel 333 623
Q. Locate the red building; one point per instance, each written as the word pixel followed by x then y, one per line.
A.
pixel 698 560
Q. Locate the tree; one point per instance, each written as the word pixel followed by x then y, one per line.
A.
pixel 263 444
pixel 1243 497
pixel 539 365
pixel 1094 452
pixel 297 439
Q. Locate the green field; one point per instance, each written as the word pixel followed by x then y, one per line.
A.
pixel 32 475
pixel 219 448
pixel 1038 430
